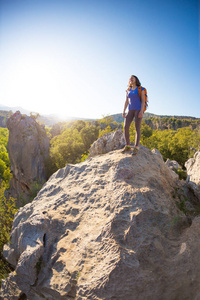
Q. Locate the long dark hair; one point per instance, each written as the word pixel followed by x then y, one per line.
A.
pixel 137 82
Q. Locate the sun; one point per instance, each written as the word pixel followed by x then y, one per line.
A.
pixel 38 84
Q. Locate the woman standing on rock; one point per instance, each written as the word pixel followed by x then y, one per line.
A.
pixel 135 106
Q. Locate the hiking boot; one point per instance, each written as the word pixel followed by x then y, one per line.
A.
pixel 135 151
pixel 126 148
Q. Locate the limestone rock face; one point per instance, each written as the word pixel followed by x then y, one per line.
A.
pixel 106 228
pixel 28 147
pixel 108 142
pixel 193 168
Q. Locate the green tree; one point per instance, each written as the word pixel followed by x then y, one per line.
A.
pixel 175 145
pixel 146 132
pixel 78 125
pixel 181 143
pixel 107 129
pixel 4 156
pixel 3 167
pixel 89 134
pixel 132 133
pixel 67 147
pixel 72 145
pixel 4 136
pixel 7 211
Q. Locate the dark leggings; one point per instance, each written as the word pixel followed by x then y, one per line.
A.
pixel 129 118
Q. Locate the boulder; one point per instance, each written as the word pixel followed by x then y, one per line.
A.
pixel 193 179
pixel 28 148
pixel 173 164
pixel 193 168
pixel 106 228
pixel 108 142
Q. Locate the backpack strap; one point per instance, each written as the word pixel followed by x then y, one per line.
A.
pixel 140 91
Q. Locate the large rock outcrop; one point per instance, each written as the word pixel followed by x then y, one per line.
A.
pixel 106 228
pixel 28 148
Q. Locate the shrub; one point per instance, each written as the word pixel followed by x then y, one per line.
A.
pixel 7 211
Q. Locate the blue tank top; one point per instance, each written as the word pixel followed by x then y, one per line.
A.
pixel 134 99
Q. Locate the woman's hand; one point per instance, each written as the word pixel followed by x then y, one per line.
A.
pixel 140 115
pixel 124 115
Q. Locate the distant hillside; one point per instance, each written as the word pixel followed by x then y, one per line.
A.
pixel 160 122
pixel 172 122
pixel 48 120
pixel 118 117
pixel 164 122
pixel 14 109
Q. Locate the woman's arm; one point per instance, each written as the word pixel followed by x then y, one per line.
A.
pixel 125 107
pixel 142 104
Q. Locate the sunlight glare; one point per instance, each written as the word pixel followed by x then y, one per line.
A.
pixel 38 84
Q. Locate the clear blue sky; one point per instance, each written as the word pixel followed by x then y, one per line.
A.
pixel 75 57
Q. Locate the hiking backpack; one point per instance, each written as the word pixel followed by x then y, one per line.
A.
pixel 145 97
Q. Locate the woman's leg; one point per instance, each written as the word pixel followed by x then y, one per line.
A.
pixel 138 122
pixel 127 123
